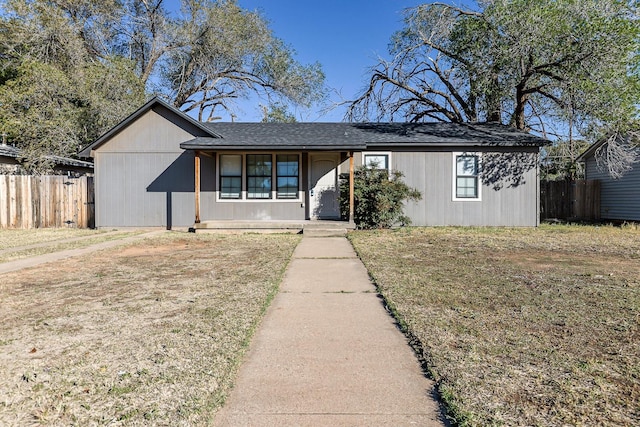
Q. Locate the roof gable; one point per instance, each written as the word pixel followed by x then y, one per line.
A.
pixel 162 108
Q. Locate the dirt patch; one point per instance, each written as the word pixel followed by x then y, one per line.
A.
pixel 520 326
pixel 150 333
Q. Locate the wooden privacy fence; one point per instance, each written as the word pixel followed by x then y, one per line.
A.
pixel 571 200
pixel 46 201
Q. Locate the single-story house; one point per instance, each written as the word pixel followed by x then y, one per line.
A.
pixel 160 167
pixel 10 163
pixel 619 198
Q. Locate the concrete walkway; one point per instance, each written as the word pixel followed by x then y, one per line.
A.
pixel 328 354
pixel 34 261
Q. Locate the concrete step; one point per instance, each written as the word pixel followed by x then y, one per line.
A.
pixel 324 232
pixel 309 228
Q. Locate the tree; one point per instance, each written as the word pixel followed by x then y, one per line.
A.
pixel 225 53
pixel 559 160
pixel 277 113
pixel 379 198
pixel 563 69
pixel 71 69
pixel 619 153
pixel 56 93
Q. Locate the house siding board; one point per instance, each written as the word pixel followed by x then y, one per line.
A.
pixel 152 132
pixel 126 196
pixel 431 173
pixel 619 198
pixel 256 211
pixel 143 178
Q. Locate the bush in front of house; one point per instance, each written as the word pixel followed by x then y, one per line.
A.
pixel 379 198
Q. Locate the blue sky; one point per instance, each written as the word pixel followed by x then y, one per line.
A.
pixel 344 36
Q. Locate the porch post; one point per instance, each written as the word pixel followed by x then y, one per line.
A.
pixel 351 189
pixel 197 186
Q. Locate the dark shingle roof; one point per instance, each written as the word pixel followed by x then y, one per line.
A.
pixel 330 136
pixel 353 136
pixel 9 151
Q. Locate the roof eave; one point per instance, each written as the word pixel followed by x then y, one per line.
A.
pixel 452 144
pixel 591 150
pixel 282 147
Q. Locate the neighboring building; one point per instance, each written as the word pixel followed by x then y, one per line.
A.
pixel 160 167
pixel 619 198
pixel 10 163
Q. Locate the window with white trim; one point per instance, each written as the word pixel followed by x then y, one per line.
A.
pixel 466 183
pixel 230 176
pixel 377 160
pixel 259 176
pixel 287 176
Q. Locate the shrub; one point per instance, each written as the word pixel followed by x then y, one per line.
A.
pixel 379 198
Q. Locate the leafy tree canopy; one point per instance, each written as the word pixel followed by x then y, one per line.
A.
pixel 564 69
pixel 71 69
pixel 277 113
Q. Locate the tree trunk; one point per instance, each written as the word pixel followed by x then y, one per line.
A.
pixel 494 109
pixel 518 113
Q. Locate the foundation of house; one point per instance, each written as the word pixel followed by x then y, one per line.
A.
pixel 317 228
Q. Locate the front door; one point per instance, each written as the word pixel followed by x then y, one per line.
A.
pixel 323 186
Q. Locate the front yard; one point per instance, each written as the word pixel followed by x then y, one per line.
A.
pixel 148 333
pixel 519 326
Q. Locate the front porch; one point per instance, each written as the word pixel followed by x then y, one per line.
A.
pixel 320 228
pixel 281 190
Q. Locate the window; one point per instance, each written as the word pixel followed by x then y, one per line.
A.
pixel 230 176
pixel 287 176
pixel 466 185
pixel 377 160
pixel 259 176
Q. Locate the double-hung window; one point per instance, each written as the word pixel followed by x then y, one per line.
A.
pixel 230 176
pixel 259 170
pixel 467 176
pixel 287 176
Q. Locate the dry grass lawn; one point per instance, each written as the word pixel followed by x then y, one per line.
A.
pixel 146 334
pixel 19 244
pixel 536 327
pixel 10 238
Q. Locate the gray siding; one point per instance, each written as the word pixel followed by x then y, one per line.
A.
pixel 143 177
pixel 432 174
pixel 247 210
pixel 619 198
